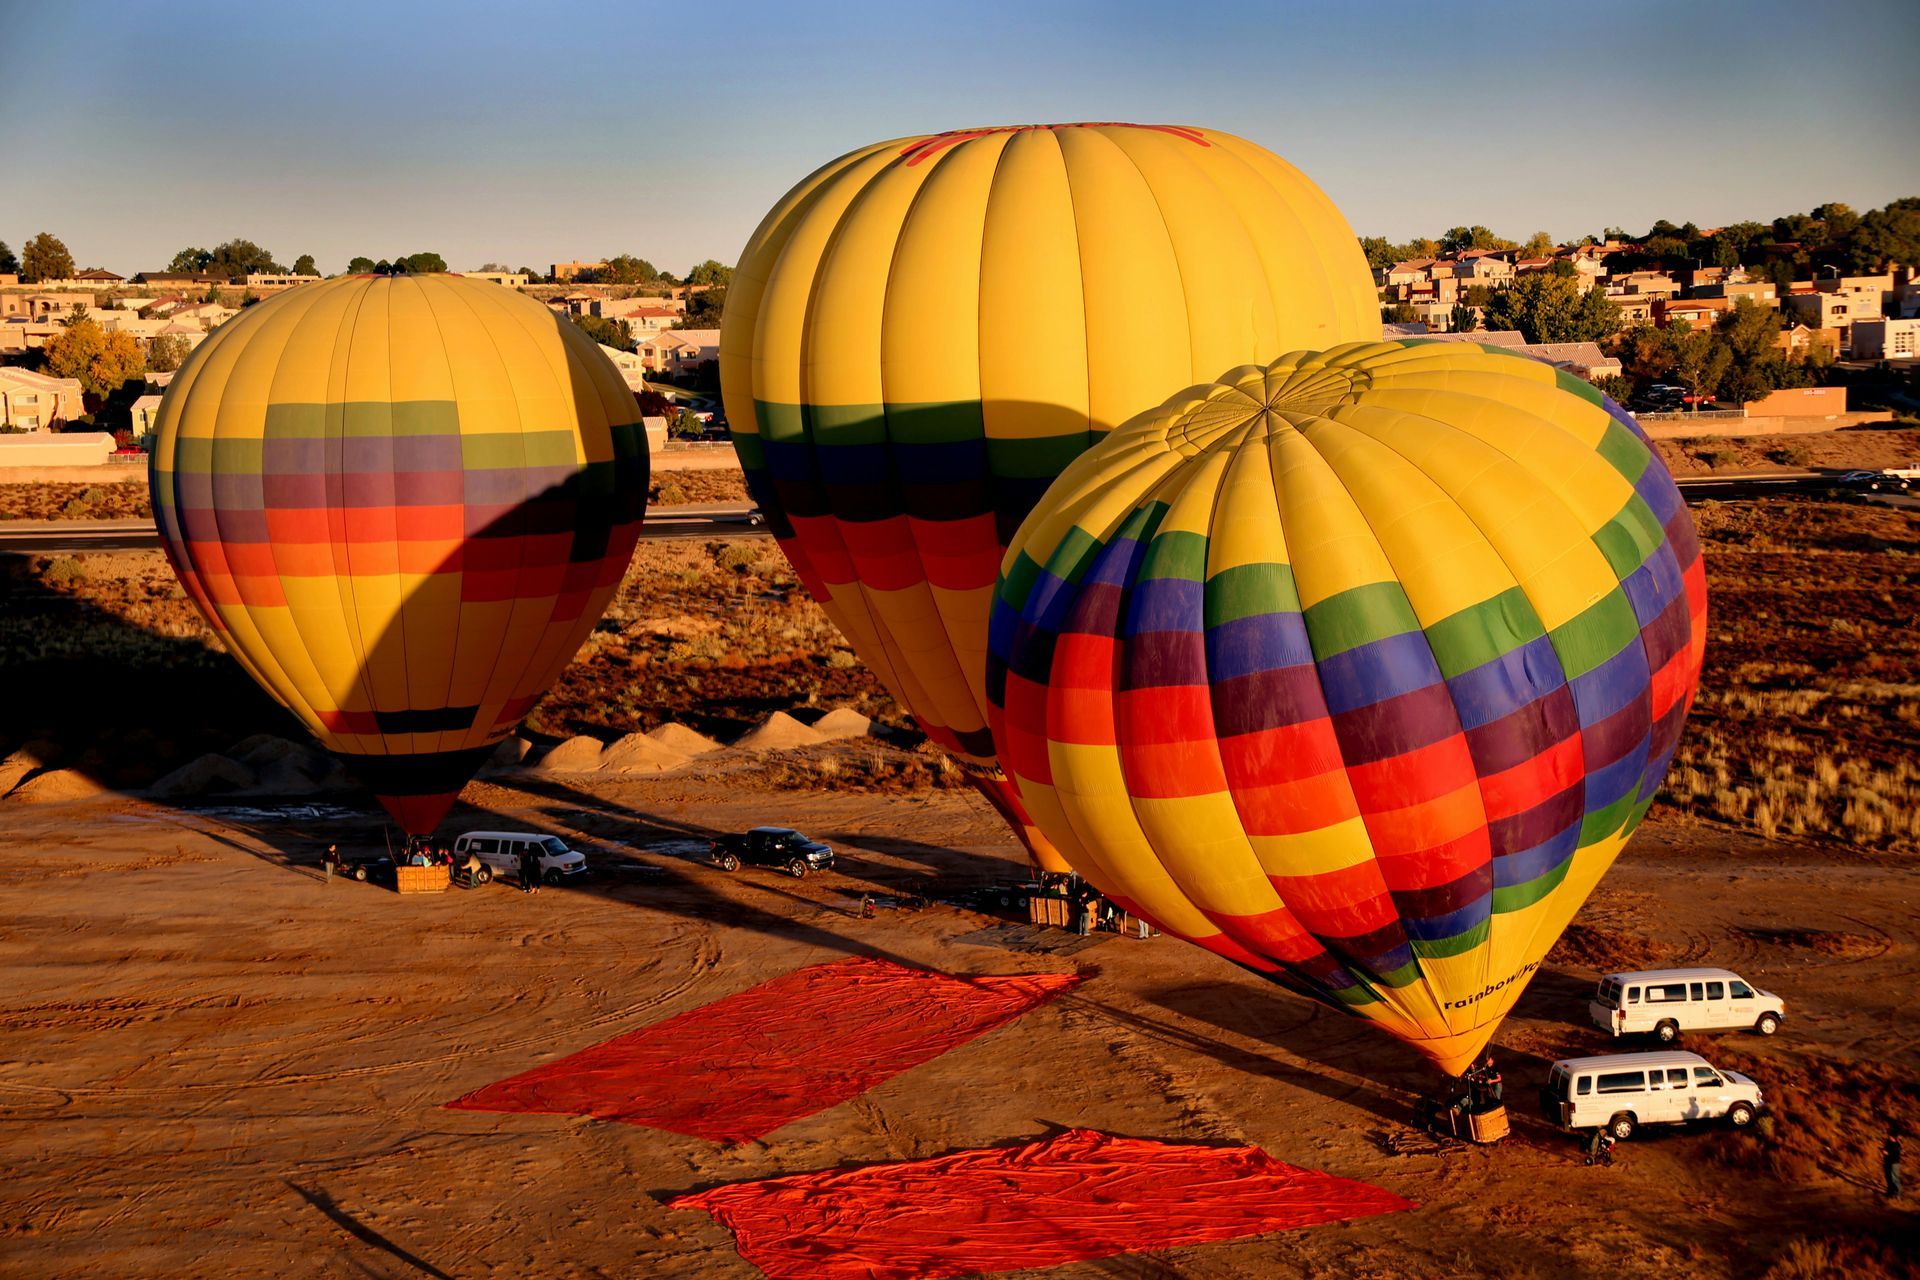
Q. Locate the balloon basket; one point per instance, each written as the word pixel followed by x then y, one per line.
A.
pixel 421 879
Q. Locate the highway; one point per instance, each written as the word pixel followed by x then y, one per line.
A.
pixel 71 537
pixel 735 519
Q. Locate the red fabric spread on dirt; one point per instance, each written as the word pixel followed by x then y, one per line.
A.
pixel 743 1066
pixel 1069 1198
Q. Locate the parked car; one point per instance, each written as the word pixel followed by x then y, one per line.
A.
pixel 772 847
pixel 499 854
pixel 1624 1091
pixel 1665 1002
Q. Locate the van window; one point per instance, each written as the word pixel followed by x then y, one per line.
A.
pixel 1697 991
pixel 1677 1078
pixel 1585 1087
pixel 1670 994
pixel 1706 1077
pixel 1741 990
pixel 1716 991
pixel 480 844
pixel 1633 995
pixel 1622 1081
pixel 1610 992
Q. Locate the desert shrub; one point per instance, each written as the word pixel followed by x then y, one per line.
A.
pixel 1790 455
pixel 737 556
pixel 1856 1257
pixel 670 495
pixel 841 659
pixel 64 572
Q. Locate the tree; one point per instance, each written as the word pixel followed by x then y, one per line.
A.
pixel 711 272
pixel 494 268
pixel 102 361
pixel 1460 239
pixel 1539 245
pixel 359 266
pixel 627 269
pixel 1551 308
pixel 420 263
pixel 1886 236
pixel 703 310
pixel 533 276
pixel 608 333
pixel 653 404
pixel 1399 313
pixel 1462 319
pixel 242 258
pixel 8 263
pixel 167 352
pixel 190 261
pixel 45 258
pixel 303 266
pixel 1378 250
pixel 686 425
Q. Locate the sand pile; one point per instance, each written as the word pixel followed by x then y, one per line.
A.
pixel 575 755
pixel 32 757
pixel 682 740
pixel 510 754
pixel 779 732
pixel 283 768
pixel 637 753
pixel 842 722
pixel 55 785
pixel 211 774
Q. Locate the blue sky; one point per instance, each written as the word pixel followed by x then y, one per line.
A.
pixel 526 133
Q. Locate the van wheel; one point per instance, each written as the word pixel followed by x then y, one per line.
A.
pixel 483 876
pixel 728 862
pixel 1768 1024
pixel 1667 1032
pixel 1739 1115
pixel 1621 1126
pixel 797 868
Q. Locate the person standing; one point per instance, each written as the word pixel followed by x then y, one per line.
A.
pixel 330 861
pixel 529 870
pixel 1890 1152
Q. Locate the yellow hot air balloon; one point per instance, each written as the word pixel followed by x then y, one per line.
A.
pixel 925 331
pixel 1358 669
pixel 402 503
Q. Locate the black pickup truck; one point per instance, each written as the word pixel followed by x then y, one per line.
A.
pixel 772 847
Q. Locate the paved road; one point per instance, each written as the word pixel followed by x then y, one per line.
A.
pixel 69 537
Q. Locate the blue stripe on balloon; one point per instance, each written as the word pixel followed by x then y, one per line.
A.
pixel 1378 670
pixel 1502 686
pixel 1260 642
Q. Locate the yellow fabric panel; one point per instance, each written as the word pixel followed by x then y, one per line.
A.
pixel 916 629
pixel 930 344
pixel 1332 546
pixel 1136 309
pixel 1033 339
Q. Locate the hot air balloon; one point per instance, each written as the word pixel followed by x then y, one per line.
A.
pixel 402 503
pixel 925 331
pixel 1358 669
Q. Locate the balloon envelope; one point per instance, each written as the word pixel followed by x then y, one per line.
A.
pixel 922 333
pixel 1358 669
pixel 402 503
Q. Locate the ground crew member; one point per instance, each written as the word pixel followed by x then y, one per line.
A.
pixel 330 861
pixel 1890 1151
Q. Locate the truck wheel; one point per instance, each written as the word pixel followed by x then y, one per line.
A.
pixel 728 862
pixel 360 874
pixel 1740 1115
pixel 797 868
pixel 483 876
pixel 1622 1126
pixel 1667 1032
pixel 1768 1024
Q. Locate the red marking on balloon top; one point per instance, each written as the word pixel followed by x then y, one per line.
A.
pixel 925 147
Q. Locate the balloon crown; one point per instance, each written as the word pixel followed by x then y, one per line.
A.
pixel 922 148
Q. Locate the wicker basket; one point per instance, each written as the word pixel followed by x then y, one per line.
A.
pixel 420 879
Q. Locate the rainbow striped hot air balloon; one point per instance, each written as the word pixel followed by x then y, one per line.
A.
pixel 925 331
pixel 402 503
pixel 1357 669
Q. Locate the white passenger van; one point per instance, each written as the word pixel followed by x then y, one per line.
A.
pixel 499 853
pixel 1623 1091
pixel 1664 1002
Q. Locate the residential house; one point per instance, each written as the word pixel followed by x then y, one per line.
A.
pixel 1648 283
pixel 656 428
pixel 1490 267
pixel 1883 339
pixel 32 401
pixel 1401 276
pixel 145 415
pixel 1798 342
pixel 511 279
pixel 21 334
pixel 679 350
pixel 1636 308
pixel 1866 295
pixel 260 282
pixel 565 271
pixel 1760 291
pixel 98 278
pixel 1821 310
pixel 1694 313
pixel 191 281
pixel 632 368
pixel 56 306
pixel 13 304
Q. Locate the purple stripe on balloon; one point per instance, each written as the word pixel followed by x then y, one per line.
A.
pixel 1265 700
pixel 1524 732
pixel 1160 658
pixel 1396 726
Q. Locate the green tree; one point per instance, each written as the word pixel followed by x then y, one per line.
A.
pixel 1379 251
pixel 241 258
pixel 303 266
pixel 1460 239
pixel 1462 319
pixel 45 258
pixel 421 263
pixel 1399 313
pixel 101 361
pixel 533 276
pixel 686 425
pixel 167 352
pixel 1886 236
pixel 190 260
pixel 360 266
pixel 653 404
pixel 627 269
pixel 608 333
pixel 703 310
pixel 712 273
pixel 1546 307
pixel 1539 245
pixel 8 263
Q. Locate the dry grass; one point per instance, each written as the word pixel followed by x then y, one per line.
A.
pixel 717 484
pixel 126 500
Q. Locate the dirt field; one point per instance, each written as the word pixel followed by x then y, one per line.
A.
pixel 216 1064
